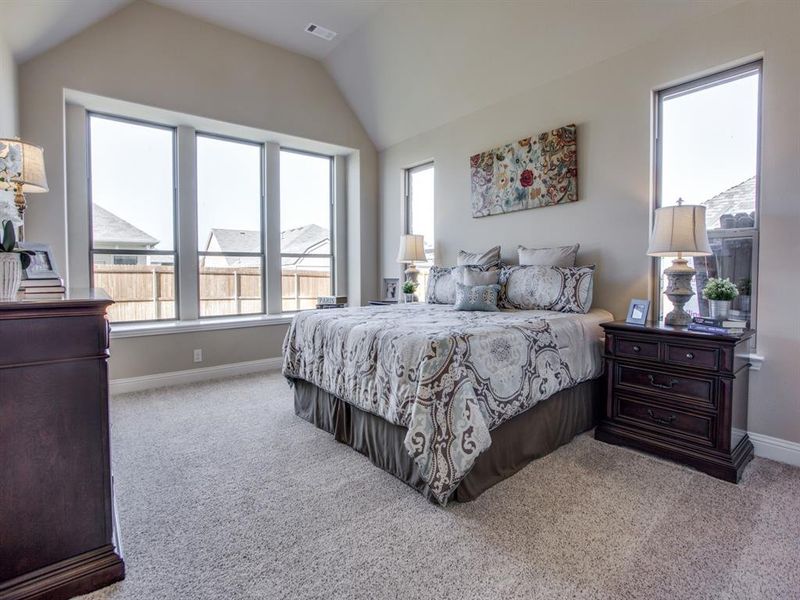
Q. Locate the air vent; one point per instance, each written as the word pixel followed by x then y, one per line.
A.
pixel 320 32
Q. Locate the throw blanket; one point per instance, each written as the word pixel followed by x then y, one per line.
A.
pixel 448 376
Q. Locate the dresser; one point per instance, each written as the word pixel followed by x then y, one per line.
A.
pixel 679 394
pixel 58 534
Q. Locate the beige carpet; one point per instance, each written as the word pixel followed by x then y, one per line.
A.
pixel 223 493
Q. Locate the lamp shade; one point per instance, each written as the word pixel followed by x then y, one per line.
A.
pixel 412 249
pixel 679 229
pixel 24 163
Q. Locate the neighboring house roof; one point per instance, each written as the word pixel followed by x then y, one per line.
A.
pixel 300 240
pixel 740 198
pixel 108 228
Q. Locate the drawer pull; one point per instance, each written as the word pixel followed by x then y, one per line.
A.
pixel 661 420
pixel 637 349
pixel 690 355
pixel 663 386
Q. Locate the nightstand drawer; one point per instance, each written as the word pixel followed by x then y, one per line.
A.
pixel 694 389
pixel 692 356
pixel 634 348
pixel 668 421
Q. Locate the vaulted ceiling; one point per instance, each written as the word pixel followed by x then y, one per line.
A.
pixel 405 66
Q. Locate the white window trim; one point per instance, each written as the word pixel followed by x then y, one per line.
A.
pixel 123 330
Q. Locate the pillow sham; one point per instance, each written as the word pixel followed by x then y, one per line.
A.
pixel 477 297
pixel 441 287
pixel 482 259
pixel 561 256
pixel 469 275
pixel 541 287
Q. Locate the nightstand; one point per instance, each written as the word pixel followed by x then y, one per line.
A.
pixel 679 394
pixel 382 302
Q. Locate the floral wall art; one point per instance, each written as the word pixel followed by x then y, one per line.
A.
pixel 536 171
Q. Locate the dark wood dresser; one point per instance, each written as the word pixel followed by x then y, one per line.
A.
pixel 679 394
pixel 58 535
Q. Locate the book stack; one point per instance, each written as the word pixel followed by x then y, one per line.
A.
pixel 42 289
pixel 331 301
pixel 718 326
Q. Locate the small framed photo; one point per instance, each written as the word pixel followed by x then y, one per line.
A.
pixel 42 264
pixel 390 288
pixel 638 311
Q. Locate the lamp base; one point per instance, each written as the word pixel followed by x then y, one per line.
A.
pixel 679 291
pixel 411 275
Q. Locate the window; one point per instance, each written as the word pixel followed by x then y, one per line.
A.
pixel 707 152
pixel 419 214
pixel 229 227
pixel 132 211
pixel 306 225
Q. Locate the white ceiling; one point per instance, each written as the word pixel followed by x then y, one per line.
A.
pixel 405 66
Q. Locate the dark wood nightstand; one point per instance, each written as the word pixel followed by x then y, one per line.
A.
pixel 679 394
pixel 382 302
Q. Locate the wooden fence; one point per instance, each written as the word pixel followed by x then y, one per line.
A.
pixel 147 292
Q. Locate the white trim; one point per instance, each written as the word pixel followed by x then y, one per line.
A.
pixel 756 360
pixel 775 448
pixel 124 330
pixel 157 380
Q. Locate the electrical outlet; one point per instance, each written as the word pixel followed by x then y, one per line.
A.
pixel 198 355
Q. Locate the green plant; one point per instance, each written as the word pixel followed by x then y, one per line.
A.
pixel 720 289
pixel 745 287
pixel 409 287
pixel 9 244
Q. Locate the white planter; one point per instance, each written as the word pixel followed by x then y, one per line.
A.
pixel 408 298
pixel 718 309
pixel 10 275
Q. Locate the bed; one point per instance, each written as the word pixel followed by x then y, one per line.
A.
pixel 451 402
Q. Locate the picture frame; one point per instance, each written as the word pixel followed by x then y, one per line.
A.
pixel 638 310
pixel 391 289
pixel 43 265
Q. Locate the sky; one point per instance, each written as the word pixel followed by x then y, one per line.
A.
pixel 132 177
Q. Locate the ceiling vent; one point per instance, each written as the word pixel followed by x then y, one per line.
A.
pixel 320 32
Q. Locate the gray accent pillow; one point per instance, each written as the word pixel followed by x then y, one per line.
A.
pixel 540 287
pixel 482 259
pixel 561 256
pixel 477 297
pixel 469 275
pixel 441 287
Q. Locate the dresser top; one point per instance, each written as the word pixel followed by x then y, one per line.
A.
pixel 73 298
pixel 659 328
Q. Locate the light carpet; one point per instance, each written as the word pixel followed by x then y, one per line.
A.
pixel 224 493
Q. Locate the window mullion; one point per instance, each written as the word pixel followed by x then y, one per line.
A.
pixel 272 226
pixel 186 201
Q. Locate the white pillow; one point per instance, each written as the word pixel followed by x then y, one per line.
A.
pixel 467 275
pixel 540 287
pixel 482 259
pixel 561 256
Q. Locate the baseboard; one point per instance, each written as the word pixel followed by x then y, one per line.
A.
pixel 776 449
pixel 157 380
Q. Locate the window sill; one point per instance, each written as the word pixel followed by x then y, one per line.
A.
pixel 211 324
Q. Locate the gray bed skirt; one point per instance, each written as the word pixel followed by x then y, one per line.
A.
pixel 530 435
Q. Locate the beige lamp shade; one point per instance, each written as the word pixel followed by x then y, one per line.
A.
pixel 412 249
pixel 25 165
pixel 679 230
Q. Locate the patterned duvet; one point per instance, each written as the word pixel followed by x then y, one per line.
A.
pixel 449 377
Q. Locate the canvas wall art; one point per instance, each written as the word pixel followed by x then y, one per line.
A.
pixel 537 171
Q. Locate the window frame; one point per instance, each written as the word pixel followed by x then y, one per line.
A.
pixel 262 220
pixel 688 87
pixel 331 256
pixel 175 229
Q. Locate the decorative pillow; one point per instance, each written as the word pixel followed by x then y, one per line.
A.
pixel 469 275
pixel 562 256
pixel 489 258
pixel 441 286
pixel 477 297
pixel 564 289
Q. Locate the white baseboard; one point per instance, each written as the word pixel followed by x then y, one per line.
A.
pixel 776 449
pixel 157 380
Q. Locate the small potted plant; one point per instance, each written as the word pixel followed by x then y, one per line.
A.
pixel 719 293
pixel 12 261
pixel 745 288
pixel 409 287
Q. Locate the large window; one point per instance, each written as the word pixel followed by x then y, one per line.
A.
pixel 419 215
pixel 306 240
pixel 132 212
pixel 707 142
pixel 229 227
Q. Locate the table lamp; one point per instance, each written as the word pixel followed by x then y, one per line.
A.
pixel 22 170
pixel 679 231
pixel 412 250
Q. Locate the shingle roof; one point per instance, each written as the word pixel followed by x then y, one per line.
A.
pixel 110 229
pixel 299 240
pixel 740 198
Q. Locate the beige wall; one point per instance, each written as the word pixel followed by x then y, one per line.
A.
pixel 611 104
pixel 157 57
pixel 8 92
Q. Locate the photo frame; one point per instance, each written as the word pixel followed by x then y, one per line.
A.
pixel 638 310
pixel 43 265
pixel 391 289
